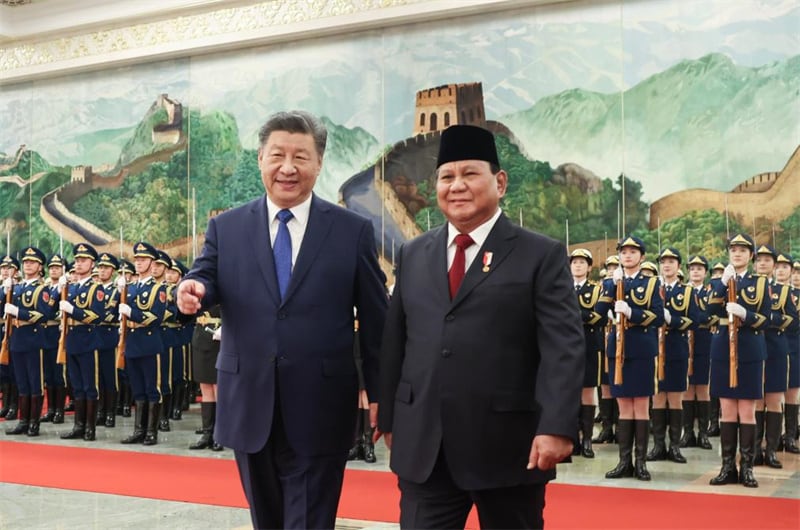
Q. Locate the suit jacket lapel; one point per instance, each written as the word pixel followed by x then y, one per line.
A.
pixel 262 247
pixel 319 224
pixel 436 250
pixel 500 242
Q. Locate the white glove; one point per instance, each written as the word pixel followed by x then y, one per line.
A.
pixel 610 315
pixel 12 310
pixel 736 310
pixel 125 309
pixel 217 335
pixel 120 281
pixel 66 307
pixel 62 282
pixel 617 275
pixel 728 273
pixel 621 306
pixel 667 316
pixel 8 283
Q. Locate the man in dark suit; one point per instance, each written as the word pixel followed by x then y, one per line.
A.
pixel 480 378
pixel 288 269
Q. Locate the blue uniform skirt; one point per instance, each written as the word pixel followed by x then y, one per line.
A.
pixel 750 375
pixel 638 378
pixel 675 378
pixel 776 367
pixel 592 369
pixel 794 370
pixel 701 367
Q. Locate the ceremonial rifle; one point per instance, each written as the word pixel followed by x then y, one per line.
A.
pixel 733 334
pixel 621 322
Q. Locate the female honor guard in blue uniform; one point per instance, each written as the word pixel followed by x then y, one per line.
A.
pixel 169 327
pixel 696 403
pixel 643 311
pixel 588 294
pixel 8 269
pixel 776 367
pixel 180 340
pixel 783 275
pixel 31 307
pixel 54 373
pixel 144 309
pixel 108 331
pixel 680 314
pixel 607 404
pixel 84 308
pixel 738 402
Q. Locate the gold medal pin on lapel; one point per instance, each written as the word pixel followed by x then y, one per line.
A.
pixel 487 261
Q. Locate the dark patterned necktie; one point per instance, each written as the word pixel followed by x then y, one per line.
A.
pixel 458 268
pixel 282 252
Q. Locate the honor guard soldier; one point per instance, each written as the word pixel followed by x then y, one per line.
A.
pixel 143 312
pixel 776 367
pixel 680 314
pixel 588 294
pixel 108 331
pixel 640 311
pixel 54 373
pixel 713 426
pixel 8 268
pixel 182 331
pixel 737 358
pixel 696 402
pixel 783 276
pixel 649 269
pixel 126 271
pixel 81 312
pixel 607 406
pixel 205 348
pixel 31 306
pixel 169 338
pixel 717 270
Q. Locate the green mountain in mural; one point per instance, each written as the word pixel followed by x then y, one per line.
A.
pixel 671 121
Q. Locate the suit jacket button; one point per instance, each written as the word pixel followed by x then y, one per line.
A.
pixel 446 353
pixel 450 317
pixel 281 315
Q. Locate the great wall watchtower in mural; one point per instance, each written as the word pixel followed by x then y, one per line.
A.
pixel 442 106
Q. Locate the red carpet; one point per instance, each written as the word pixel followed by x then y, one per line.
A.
pixel 372 495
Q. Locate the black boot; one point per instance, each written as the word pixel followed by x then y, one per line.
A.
pixel 61 396
pixel 139 423
pixel 659 450
pixel 110 396
pixel 24 411
pixel 34 415
pixel 70 399
pixel 190 395
pixel 163 423
pixel 774 420
pixel 640 460
pixel 51 405
pixel 127 400
pixel 13 402
pixel 727 439
pixel 369 447
pixel 177 401
pixel 758 452
pixel 207 417
pixel 675 423
pixel 790 439
pixel 688 439
pixel 79 425
pixel 91 420
pixel 100 409
pixel 357 451
pixel 625 440
pixel 5 388
pixel 713 419
pixel 606 422
pixel 703 412
pixel 587 425
pixel 153 414
pixel 747 443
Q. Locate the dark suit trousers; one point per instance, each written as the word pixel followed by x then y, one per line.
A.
pixel 439 503
pixel 287 490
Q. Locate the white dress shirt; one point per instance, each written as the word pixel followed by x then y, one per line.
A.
pixel 296 225
pixel 478 235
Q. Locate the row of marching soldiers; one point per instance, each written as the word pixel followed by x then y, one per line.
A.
pixel 109 330
pixel 671 348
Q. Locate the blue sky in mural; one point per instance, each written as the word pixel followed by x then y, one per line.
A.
pixel 530 63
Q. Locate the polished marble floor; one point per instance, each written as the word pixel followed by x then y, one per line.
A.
pixel 24 507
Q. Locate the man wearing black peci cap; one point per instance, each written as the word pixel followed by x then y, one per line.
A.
pixel 481 347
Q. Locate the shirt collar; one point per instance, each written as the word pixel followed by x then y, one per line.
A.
pixel 478 235
pixel 300 212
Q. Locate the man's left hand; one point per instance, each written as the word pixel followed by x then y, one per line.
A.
pixel 548 450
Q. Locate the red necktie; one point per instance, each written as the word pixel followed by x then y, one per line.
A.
pixel 457 269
